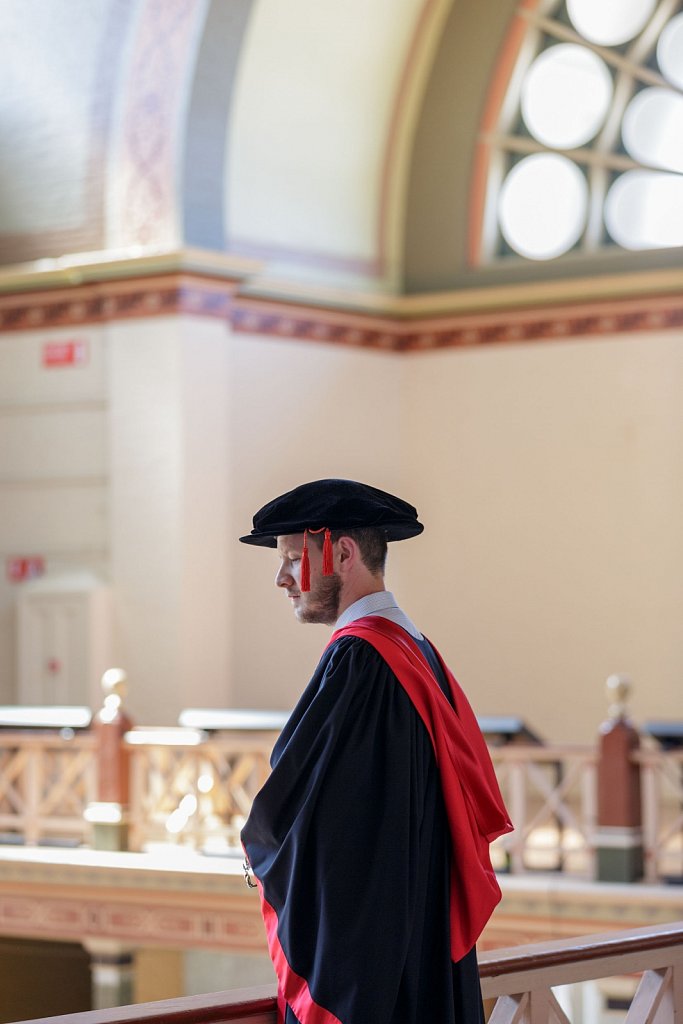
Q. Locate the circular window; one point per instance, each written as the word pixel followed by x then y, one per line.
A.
pixel 609 22
pixel 670 51
pixel 644 210
pixel 566 95
pixel 543 205
pixel 652 129
pixel 597 129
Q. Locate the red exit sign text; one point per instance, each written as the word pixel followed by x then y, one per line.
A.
pixel 20 568
pixel 65 353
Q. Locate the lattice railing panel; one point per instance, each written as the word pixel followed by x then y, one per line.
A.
pixel 571 981
pixel 12 767
pixel 199 795
pixel 550 793
pixel 662 785
pixel 46 782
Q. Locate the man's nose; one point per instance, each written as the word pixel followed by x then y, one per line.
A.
pixel 283 578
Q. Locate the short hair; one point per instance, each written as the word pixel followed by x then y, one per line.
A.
pixel 371 541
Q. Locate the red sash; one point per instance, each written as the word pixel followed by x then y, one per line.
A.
pixel 474 805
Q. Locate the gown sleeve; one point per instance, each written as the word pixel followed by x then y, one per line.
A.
pixel 336 840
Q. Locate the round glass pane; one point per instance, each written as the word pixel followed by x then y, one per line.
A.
pixel 644 210
pixel 670 51
pixel 566 95
pixel 609 22
pixel 542 206
pixel 652 129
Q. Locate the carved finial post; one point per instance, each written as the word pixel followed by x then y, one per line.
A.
pixel 619 839
pixel 109 814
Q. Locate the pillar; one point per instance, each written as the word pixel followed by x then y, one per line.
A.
pixel 619 839
pixel 112 973
pixel 109 814
pixel 170 529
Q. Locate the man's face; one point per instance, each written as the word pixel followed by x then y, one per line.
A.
pixel 321 602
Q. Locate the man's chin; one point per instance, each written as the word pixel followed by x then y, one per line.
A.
pixel 310 616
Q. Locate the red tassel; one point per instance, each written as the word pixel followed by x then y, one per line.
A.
pixel 328 559
pixel 305 577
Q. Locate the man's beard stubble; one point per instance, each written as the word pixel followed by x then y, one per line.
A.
pixel 322 601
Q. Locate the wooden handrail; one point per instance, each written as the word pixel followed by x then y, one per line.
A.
pixel 582 950
pixel 503 972
pixel 252 1005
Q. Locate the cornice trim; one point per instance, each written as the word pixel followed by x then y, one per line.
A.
pixel 458 330
pixel 197 283
pixel 170 294
pixel 130 265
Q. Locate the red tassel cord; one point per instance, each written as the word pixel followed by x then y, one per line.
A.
pixel 328 557
pixel 328 561
pixel 305 577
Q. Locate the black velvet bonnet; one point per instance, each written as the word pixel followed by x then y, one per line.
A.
pixel 335 505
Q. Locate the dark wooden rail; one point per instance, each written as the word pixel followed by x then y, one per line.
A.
pixel 522 980
pixel 520 977
pixel 638 945
pixel 240 1006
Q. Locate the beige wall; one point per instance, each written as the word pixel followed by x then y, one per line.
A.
pixel 53 466
pixel 547 475
pixel 554 499
pixel 299 411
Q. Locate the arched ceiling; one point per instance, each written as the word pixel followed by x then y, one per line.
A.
pixel 280 129
pixel 334 143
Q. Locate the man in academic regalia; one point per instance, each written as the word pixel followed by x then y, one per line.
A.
pixel 369 841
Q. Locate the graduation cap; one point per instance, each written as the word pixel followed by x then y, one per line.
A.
pixel 332 505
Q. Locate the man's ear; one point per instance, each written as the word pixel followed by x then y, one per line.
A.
pixel 348 551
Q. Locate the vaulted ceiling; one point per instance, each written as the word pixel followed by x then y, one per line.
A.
pixel 336 144
pixel 295 132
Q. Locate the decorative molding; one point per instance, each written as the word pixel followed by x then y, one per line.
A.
pixel 541 907
pixel 184 900
pixel 144 206
pixel 591 318
pixel 308 323
pixel 111 897
pixel 139 923
pixel 165 295
pixel 208 285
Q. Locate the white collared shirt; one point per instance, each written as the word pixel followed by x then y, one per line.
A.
pixel 381 603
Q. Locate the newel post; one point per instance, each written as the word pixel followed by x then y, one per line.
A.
pixel 619 839
pixel 109 814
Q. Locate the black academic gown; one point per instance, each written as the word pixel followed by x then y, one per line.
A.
pixel 349 842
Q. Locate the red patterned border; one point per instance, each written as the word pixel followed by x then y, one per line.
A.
pixel 106 915
pixel 166 295
pixel 399 330
pixel 458 330
pixel 155 87
pixel 132 898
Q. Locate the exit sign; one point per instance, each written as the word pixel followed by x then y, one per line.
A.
pixel 65 353
pixel 20 568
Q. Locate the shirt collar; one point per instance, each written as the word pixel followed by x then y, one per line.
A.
pixel 383 603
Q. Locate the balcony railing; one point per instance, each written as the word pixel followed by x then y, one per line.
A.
pixel 193 787
pixel 522 981
pixel 551 795
pixel 47 779
pixel 662 782
pixel 192 790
